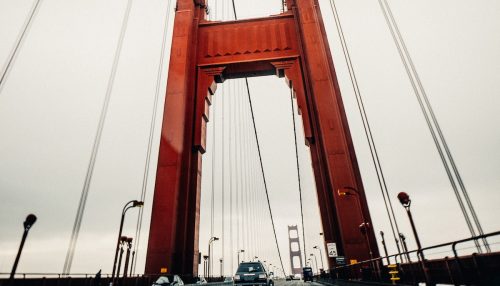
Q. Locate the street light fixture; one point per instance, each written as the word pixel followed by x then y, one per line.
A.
pixel 212 239
pixel 129 205
pixel 320 255
pixel 404 199
pixel 240 251
pixel 28 223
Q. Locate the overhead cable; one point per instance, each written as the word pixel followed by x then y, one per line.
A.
pixel 19 41
pixel 260 159
pixel 95 147
pixel 152 128
pixel 298 172
pixel 367 129
pixel 433 126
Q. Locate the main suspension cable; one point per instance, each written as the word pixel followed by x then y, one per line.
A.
pixel 19 41
pixel 95 148
pixel 428 121
pixel 367 129
pixel 152 128
pixel 438 127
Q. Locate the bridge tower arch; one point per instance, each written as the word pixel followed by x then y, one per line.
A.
pixel 292 45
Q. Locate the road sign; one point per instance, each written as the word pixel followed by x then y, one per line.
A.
pixel 340 260
pixel 332 249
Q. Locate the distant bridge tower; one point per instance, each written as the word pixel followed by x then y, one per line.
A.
pixel 295 252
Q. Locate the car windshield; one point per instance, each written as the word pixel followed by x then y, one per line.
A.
pixel 250 267
pixel 307 269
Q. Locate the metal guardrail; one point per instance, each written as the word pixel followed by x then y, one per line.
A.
pixel 87 279
pixel 458 270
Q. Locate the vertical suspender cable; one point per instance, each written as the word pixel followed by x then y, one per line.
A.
pixel 95 148
pixel 212 191
pixel 242 207
pixel 298 173
pixel 260 159
pixel 263 175
pixel 367 129
pixel 251 189
pixel 231 189
pixel 152 127
pixel 223 202
pixel 19 41
pixel 437 126
pixel 423 102
pixel 237 174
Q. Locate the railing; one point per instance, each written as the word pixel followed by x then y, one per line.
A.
pixel 86 279
pixel 475 268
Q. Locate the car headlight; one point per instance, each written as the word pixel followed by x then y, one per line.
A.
pixel 262 276
pixel 236 277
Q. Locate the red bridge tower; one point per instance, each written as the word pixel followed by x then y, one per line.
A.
pixel 291 45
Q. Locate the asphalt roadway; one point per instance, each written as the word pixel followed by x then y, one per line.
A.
pixel 295 283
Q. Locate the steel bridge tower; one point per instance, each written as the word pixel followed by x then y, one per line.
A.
pixel 292 45
pixel 295 251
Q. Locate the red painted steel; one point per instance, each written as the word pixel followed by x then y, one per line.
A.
pixel 291 45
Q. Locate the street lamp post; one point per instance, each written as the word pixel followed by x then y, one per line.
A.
pixel 404 199
pixel 129 205
pixel 132 263
pixel 28 223
pixel 316 261
pixel 127 257
pixel 385 248
pixel 240 251
pixel 123 240
pixel 320 255
pixel 212 239
pixel 221 267
pixel 205 265
pixel 364 226
pixel 402 237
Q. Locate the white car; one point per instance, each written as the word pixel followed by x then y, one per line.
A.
pixel 201 280
pixel 169 280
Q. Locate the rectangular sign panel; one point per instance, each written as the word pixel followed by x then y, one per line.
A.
pixel 331 248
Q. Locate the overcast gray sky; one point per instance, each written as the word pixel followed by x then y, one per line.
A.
pixel 50 104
